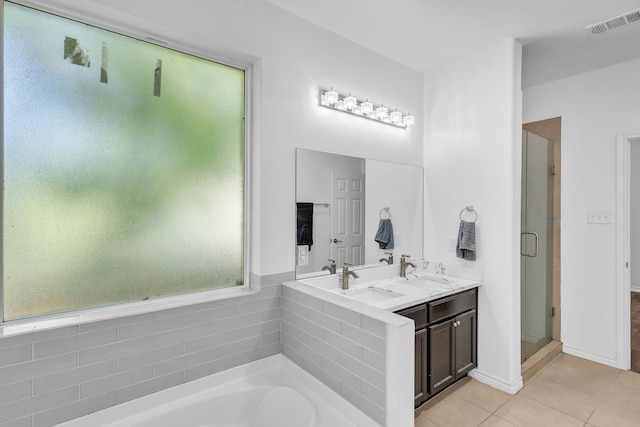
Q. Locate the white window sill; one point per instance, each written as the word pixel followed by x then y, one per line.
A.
pixel 71 318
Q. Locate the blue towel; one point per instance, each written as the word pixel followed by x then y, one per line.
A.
pixel 384 236
pixel 466 246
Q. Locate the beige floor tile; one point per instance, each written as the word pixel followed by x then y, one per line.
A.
pixel 619 395
pixel 629 379
pixel 608 415
pixel 495 421
pixel 482 395
pixel 456 412
pixel 580 374
pixel 524 412
pixel 423 421
pixel 572 402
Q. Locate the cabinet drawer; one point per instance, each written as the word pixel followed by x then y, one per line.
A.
pixel 450 306
pixel 417 313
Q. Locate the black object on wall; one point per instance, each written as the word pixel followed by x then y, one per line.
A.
pixel 304 223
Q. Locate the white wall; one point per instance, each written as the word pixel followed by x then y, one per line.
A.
pixel 472 157
pixel 594 107
pixel 294 59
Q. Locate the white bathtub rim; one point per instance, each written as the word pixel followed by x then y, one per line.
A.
pixel 307 385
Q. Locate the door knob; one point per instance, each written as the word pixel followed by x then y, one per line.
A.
pixel 337 241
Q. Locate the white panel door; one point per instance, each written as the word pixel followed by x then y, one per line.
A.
pixel 347 217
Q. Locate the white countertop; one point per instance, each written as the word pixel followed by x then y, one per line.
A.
pixel 393 293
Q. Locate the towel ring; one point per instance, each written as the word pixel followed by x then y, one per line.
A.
pixel 471 210
pixel 385 209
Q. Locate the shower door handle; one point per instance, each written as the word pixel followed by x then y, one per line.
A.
pixel 537 251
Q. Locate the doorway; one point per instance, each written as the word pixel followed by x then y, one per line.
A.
pixel 540 236
pixel 634 253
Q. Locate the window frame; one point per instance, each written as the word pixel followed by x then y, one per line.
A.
pixel 139 29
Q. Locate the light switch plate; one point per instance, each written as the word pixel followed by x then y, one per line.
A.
pixel 599 217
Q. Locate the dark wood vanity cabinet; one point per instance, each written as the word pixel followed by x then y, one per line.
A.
pixel 445 342
pixel 421 391
pixel 419 315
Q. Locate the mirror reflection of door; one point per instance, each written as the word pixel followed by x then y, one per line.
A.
pixel 347 217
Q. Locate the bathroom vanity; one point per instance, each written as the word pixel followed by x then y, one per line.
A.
pixel 384 329
pixel 445 341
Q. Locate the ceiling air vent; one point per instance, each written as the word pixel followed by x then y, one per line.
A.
pixel 616 22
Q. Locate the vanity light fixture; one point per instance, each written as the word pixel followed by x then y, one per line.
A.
pixel 350 104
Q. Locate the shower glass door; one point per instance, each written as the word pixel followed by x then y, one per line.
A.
pixel 536 244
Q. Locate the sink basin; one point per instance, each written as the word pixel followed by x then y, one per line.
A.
pixel 433 283
pixel 369 295
pixel 438 279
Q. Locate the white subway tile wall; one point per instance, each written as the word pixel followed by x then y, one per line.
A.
pixel 344 349
pixel 52 376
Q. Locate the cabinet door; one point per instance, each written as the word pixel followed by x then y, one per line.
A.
pixel 465 343
pixel 421 391
pixel 441 362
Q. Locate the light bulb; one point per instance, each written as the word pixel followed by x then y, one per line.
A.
pixel 332 97
pixel 350 102
pixel 366 107
pixel 340 105
pixel 408 120
pixel 396 116
pixel 381 112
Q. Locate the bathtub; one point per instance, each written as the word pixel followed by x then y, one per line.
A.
pixel 271 392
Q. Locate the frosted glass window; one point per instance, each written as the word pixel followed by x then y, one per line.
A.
pixel 123 168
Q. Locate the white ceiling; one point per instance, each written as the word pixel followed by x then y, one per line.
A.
pixel 424 34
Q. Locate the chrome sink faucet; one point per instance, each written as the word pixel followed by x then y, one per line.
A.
pixel 345 276
pixel 404 264
pixel 331 267
pixel 388 260
pixel 438 267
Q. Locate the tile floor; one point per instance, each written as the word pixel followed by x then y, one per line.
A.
pixel 568 392
pixel 635 331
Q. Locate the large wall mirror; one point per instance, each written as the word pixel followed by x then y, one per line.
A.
pixel 340 201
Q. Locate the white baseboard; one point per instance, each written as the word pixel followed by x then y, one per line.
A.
pixel 490 380
pixel 589 356
pixel 635 288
